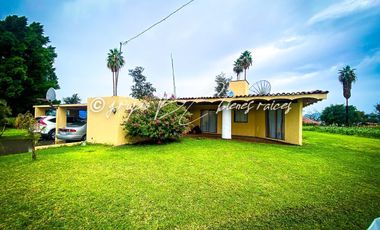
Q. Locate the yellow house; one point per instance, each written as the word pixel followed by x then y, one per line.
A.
pixel 273 116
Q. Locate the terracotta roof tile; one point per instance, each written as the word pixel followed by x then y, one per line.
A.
pixel 261 95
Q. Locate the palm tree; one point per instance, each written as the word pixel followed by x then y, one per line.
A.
pixel 246 62
pixel 115 61
pixel 347 76
pixel 238 68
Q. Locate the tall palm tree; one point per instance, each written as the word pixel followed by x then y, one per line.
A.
pixel 238 68
pixel 115 61
pixel 246 62
pixel 347 76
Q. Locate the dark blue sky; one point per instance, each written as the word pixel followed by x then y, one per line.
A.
pixel 296 45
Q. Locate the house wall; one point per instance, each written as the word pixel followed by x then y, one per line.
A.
pixel 60 119
pixel 104 126
pixel 256 125
pixel 38 111
pixel 239 87
pixel 293 124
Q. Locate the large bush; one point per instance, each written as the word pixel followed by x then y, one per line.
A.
pixel 336 115
pixel 157 121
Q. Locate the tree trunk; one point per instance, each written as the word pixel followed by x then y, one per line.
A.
pixel 347 112
pixel 113 83
pixel 245 74
pixel 34 155
pixel 116 81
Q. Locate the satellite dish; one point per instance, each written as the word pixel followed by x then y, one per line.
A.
pixel 50 95
pixel 230 93
pixel 262 87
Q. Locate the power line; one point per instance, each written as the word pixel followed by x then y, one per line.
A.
pixel 155 24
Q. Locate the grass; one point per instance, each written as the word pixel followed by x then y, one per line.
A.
pixel 361 131
pixel 14 133
pixel 330 182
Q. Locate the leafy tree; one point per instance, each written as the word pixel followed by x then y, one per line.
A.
pixel 74 99
pixel 245 61
pixel 26 63
pixel 5 111
pixel 238 68
pixel 335 114
pixel 157 121
pixel 115 61
pixel 141 88
pixel 347 76
pixel 221 85
pixel 371 118
pixel 377 107
pixel 28 122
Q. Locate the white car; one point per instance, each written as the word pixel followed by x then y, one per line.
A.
pixel 46 126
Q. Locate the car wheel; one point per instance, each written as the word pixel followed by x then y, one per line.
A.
pixel 52 134
pixel 84 138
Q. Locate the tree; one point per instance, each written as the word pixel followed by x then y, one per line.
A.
pixel 26 63
pixel 335 115
pixel 5 111
pixel 377 107
pixel 74 99
pixel 347 76
pixel 157 121
pixel 371 118
pixel 221 85
pixel 238 68
pixel 141 88
pixel 26 121
pixel 246 62
pixel 115 61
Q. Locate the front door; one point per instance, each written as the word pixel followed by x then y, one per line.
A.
pixel 208 121
pixel 275 124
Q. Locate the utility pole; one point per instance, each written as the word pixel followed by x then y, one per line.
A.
pixel 174 89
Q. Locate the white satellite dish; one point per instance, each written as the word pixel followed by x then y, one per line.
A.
pixel 50 95
pixel 262 87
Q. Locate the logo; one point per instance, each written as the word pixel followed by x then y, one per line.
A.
pixel 97 105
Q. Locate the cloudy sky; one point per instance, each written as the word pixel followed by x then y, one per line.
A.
pixel 296 45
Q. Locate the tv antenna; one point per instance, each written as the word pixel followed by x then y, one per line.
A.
pixel 174 88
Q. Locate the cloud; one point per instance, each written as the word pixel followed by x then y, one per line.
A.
pixel 342 9
pixel 78 9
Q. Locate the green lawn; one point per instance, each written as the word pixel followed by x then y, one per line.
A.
pixel 331 182
pixel 13 133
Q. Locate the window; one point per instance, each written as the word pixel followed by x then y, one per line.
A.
pixel 275 124
pixel 240 116
pixel 208 121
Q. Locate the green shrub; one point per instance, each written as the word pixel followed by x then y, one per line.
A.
pixel 11 122
pixel 157 121
pixel 373 132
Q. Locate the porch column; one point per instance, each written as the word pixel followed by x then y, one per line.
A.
pixel 226 123
pixel 60 118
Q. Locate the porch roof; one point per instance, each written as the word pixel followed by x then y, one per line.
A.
pixel 70 106
pixel 308 97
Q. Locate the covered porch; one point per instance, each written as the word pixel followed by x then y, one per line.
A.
pixel 270 117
